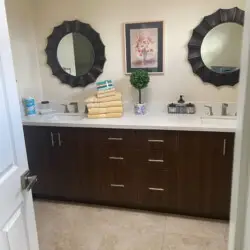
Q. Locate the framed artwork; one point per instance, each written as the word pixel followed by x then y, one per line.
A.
pixel 144 47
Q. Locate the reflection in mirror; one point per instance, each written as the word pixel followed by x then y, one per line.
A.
pixel 75 54
pixel 221 48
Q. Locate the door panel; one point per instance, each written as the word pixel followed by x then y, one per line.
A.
pixel 14 234
pixel 17 222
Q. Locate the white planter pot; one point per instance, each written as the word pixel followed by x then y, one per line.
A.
pixel 140 109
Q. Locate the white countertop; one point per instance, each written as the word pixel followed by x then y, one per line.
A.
pixel 160 121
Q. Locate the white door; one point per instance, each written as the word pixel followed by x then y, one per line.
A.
pixel 17 220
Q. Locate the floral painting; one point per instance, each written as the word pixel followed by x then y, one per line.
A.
pixel 144 47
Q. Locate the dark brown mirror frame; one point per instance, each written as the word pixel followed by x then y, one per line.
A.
pixel 234 15
pixel 51 50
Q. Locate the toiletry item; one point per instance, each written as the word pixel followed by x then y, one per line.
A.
pixel 181 106
pixel 45 105
pixel 44 108
pixel 181 100
pixel 29 106
pixel 190 107
pixel 172 109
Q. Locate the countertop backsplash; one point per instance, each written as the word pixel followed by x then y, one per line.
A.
pixel 160 108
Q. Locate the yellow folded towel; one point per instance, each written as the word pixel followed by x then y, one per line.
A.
pixel 105 94
pixel 106 90
pixel 94 111
pixel 95 99
pixel 105 104
pixel 108 115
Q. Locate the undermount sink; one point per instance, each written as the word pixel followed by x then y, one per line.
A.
pixel 67 117
pixel 218 120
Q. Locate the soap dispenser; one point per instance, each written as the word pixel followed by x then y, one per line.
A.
pixel 181 105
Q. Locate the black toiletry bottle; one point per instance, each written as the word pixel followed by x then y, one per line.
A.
pixel 181 105
pixel 190 108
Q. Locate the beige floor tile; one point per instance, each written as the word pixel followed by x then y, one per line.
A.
pixel 63 227
pixel 195 227
pixel 183 242
pixel 187 242
pixel 214 229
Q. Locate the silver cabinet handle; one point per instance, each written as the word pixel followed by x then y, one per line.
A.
pixel 224 147
pixel 52 139
pixel 156 189
pixel 158 141
pixel 116 158
pixel 115 139
pixel 152 160
pixel 117 185
pixel 59 139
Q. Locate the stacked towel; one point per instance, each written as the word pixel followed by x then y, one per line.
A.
pixel 107 103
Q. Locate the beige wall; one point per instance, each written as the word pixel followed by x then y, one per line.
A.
pixel 107 17
pixel 23 43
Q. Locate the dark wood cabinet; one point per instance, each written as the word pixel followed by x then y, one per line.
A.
pixel 189 172
pixel 216 173
pixel 170 171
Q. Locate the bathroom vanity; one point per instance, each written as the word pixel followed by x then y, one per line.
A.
pixel 170 169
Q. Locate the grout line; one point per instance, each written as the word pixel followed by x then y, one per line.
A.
pixel 164 233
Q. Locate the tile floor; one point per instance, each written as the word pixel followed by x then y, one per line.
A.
pixel 64 226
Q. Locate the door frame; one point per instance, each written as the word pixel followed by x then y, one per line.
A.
pixel 239 231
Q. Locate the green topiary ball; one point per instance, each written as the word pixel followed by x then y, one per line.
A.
pixel 139 79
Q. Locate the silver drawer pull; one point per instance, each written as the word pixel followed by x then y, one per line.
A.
pixel 158 141
pixel 116 158
pixel 52 139
pixel 152 160
pixel 156 189
pixel 115 139
pixel 117 185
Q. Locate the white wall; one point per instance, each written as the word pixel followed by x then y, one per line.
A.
pixel 21 27
pixel 107 17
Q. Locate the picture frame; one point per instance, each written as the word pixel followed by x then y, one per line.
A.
pixel 143 47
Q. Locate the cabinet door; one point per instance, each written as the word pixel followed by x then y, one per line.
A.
pixel 68 162
pixel 216 173
pixel 189 173
pixel 38 145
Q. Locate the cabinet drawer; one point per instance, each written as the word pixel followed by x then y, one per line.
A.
pixel 156 159
pixel 115 138
pixel 118 186
pixel 157 189
pixel 153 188
pixel 156 140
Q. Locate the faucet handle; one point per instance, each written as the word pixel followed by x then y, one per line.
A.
pixel 75 104
pixel 210 109
pixel 66 109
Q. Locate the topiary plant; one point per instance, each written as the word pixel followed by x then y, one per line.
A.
pixel 139 79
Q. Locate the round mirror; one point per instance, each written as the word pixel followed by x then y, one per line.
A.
pixel 75 54
pixel 221 48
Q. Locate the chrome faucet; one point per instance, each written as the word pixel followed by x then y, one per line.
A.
pixel 224 107
pixel 210 108
pixel 66 109
pixel 75 104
